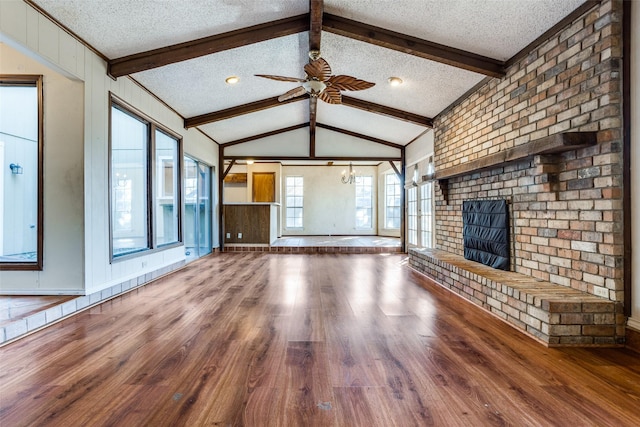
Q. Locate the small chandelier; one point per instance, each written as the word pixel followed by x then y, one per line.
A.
pixel 349 178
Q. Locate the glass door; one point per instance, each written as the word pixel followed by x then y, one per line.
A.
pixel 204 209
pixel 197 207
pixel 425 215
pixel 412 216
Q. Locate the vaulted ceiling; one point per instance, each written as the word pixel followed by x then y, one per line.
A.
pixel 182 51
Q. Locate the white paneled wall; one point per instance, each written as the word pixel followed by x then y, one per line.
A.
pixel 36 36
pixel 63 182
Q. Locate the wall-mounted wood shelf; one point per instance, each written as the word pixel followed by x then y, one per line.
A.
pixel 236 178
pixel 553 144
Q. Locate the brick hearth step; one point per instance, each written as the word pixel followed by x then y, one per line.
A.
pixel 554 314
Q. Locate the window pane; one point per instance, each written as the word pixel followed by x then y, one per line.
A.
pixel 19 144
pixel 412 214
pixel 426 214
pixel 129 139
pixel 191 225
pixel 364 202
pixel 167 195
pixel 392 211
pixel 294 188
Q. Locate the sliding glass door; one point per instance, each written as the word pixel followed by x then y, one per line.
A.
pixel 197 205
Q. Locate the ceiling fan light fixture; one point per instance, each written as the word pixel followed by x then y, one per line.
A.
pixel 314 54
pixel 395 81
pixel 231 80
pixel 314 87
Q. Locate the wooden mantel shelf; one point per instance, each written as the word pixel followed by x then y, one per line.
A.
pixel 553 144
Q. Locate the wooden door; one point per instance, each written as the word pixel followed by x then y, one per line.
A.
pixel 264 187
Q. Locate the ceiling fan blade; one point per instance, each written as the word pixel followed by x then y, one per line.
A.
pixel 331 95
pixel 318 69
pixel 292 94
pixel 280 78
pixel 342 82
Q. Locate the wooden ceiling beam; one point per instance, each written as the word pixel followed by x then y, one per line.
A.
pixel 361 136
pixel 316 8
pixel 226 171
pixel 229 113
pixel 321 158
pixel 413 46
pixel 263 104
pixel 315 23
pixel 208 45
pixel 387 111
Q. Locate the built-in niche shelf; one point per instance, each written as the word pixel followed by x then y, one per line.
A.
pixel 553 144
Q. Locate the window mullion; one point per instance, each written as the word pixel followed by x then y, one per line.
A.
pixel 151 190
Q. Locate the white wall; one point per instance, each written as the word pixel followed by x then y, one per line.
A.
pixel 24 27
pixel 329 205
pixel 237 193
pixel 63 182
pixel 419 149
pixel 634 321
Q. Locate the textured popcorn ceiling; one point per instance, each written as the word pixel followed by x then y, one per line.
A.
pixel 493 28
pixel 123 27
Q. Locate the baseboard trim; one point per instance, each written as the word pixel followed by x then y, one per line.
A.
pixel 632 339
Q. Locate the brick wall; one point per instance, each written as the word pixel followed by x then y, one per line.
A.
pixel 566 210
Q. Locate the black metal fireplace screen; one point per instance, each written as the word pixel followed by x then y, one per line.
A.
pixel 486 232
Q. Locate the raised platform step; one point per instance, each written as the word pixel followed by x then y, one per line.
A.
pixel 555 315
pixel 315 249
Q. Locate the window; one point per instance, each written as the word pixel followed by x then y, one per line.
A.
pixel 167 203
pixel 21 178
pixel 294 186
pixel 145 190
pixel 426 215
pixel 412 215
pixel 364 202
pixel 392 206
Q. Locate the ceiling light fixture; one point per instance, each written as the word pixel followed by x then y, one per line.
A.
pixel 249 162
pixel 395 81
pixel 232 80
pixel 314 87
pixel 351 177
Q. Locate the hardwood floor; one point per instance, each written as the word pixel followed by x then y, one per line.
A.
pixel 259 339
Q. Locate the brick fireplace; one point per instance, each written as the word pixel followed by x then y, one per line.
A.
pixel 566 205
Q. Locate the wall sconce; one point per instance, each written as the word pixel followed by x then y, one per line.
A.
pixel 416 175
pixel 16 169
pixel 121 181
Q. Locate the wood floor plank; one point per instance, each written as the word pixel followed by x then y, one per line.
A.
pixel 257 339
pixel 308 398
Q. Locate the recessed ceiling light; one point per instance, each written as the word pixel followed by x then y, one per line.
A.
pixel 395 81
pixel 249 162
pixel 232 80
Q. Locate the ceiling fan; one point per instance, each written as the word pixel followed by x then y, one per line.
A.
pixel 319 83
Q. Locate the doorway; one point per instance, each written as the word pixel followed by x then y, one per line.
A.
pixel 197 206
